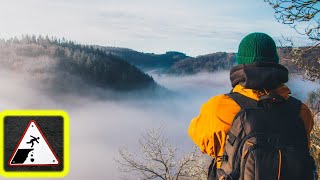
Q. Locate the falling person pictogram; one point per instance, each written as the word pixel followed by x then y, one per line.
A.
pixel 33 149
pixel 32 140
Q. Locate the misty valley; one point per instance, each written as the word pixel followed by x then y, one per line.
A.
pixel 114 94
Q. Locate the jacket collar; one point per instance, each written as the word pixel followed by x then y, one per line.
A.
pixel 282 90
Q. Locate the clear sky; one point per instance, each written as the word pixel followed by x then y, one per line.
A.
pixel 194 27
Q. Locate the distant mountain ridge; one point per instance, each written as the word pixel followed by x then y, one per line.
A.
pixel 174 62
pixel 178 63
pixel 146 60
pixel 205 63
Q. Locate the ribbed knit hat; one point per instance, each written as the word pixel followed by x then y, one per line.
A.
pixel 257 47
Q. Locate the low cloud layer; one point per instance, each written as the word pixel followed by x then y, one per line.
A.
pixel 100 127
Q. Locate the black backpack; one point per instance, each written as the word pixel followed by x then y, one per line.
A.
pixel 267 141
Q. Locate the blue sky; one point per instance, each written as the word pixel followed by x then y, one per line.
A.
pixel 192 26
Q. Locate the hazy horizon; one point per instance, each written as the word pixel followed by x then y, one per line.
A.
pixel 188 26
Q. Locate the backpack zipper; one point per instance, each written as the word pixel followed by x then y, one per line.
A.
pixel 280 164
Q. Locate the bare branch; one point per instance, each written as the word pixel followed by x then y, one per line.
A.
pixel 297 12
pixel 158 160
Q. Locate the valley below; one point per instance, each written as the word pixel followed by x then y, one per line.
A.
pixel 100 127
pixel 112 101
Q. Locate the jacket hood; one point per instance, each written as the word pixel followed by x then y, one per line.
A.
pixel 259 75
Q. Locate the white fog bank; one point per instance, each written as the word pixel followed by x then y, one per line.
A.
pixel 100 127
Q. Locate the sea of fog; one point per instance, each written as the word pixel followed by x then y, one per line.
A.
pixel 100 127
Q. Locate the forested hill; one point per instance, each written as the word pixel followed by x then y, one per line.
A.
pixel 311 58
pixel 205 63
pixel 222 60
pixel 146 61
pixel 63 62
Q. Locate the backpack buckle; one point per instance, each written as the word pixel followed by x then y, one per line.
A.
pixel 225 158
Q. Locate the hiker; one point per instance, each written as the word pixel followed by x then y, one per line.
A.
pixel 257 131
pixel 32 140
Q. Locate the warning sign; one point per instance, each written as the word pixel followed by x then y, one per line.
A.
pixel 33 149
pixel 34 143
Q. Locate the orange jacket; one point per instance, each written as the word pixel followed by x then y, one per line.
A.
pixel 208 130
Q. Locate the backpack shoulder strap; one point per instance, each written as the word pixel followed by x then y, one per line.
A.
pixel 295 104
pixel 294 107
pixel 243 101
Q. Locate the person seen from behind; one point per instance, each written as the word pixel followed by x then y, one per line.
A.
pixel 257 131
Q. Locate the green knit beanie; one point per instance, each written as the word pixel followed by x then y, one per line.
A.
pixel 257 47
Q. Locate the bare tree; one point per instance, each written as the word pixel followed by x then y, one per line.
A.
pixel 159 160
pixel 303 16
pixel 299 13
